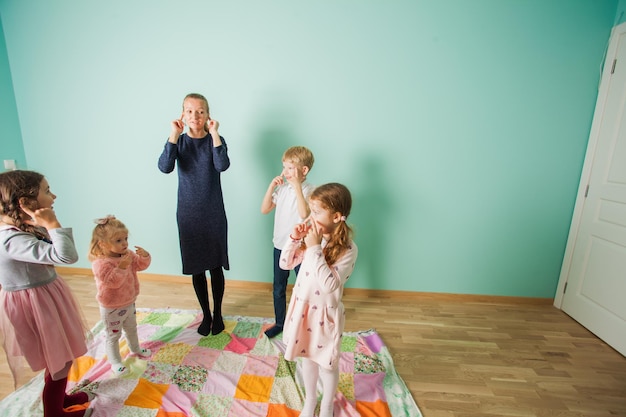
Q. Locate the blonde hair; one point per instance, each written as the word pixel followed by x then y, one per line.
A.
pixel 196 96
pixel 336 198
pixel 299 155
pixel 106 229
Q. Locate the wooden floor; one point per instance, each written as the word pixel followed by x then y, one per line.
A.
pixel 460 356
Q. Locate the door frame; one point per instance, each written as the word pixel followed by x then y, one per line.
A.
pixel 603 92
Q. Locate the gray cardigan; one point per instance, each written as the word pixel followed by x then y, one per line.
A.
pixel 28 262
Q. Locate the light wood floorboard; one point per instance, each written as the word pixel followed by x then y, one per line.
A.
pixel 460 356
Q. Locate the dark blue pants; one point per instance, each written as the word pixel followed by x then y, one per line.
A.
pixel 281 277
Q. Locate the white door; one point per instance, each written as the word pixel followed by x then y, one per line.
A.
pixel 592 286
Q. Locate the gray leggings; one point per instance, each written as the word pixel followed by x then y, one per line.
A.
pixel 115 320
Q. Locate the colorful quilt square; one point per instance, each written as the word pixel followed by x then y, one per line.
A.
pixel 215 342
pixel 147 395
pixel 374 342
pixel 240 345
pixel 369 387
pixel 364 364
pixel 201 356
pixel 208 405
pixel 261 365
pixel 187 335
pixel 285 367
pixel 190 378
pixel 178 400
pixel 160 373
pixel 173 353
pixel 346 362
pixel 243 408
pixel 346 385
pixel 222 384
pixel 254 388
pixel 229 362
pixel 247 329
pixel 132 411
pixel 348 343
pixel 375 409
pixel 155 318
pixel 165 334
pixel 281 410
pixel 284 391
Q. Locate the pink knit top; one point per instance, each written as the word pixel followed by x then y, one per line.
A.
pixel 118 287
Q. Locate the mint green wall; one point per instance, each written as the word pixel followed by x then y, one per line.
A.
pixel 459 126
pixel 620 13
pixel 11 147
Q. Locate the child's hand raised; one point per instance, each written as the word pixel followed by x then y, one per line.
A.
pixel 279 180
pixel 44 217
pixel 126 260
pixel 297 178
pixel 301 229
pixel 141 252
pixel 313 236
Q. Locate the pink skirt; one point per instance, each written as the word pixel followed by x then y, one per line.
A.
pixel 43 325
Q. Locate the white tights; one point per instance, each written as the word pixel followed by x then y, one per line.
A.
pixel 311 371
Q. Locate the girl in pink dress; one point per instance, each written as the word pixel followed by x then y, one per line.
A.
pixel 39 317
pixel 323 247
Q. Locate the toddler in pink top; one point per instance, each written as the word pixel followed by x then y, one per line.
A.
pixel 115 271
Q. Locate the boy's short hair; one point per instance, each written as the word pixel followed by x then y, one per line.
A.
pixel 299 155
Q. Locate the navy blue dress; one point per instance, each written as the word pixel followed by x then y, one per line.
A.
pixel 202 225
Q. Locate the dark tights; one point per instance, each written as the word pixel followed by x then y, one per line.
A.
pixel 210 324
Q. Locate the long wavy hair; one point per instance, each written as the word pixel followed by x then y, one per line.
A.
pixel 336 198
pixel 17 185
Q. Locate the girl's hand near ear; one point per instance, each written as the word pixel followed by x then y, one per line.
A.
pixel 44 217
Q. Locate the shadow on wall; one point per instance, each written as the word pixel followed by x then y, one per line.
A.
pixel 372 210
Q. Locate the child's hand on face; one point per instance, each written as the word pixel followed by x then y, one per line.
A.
pixel 44 217
pixel 126 260
pixel 313 236
pixel 297 177
pixel 141 252
pixel 301 229
pixel 279 180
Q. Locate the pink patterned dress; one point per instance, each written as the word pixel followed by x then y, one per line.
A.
pixel 316 316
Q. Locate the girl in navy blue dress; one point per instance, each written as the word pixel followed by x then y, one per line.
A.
pixel 201 155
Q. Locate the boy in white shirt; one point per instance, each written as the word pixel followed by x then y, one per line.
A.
pixel 288 193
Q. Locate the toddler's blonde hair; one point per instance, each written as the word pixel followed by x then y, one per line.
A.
pixel 106 229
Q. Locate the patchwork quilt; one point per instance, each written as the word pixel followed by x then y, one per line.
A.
pixel 238 373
